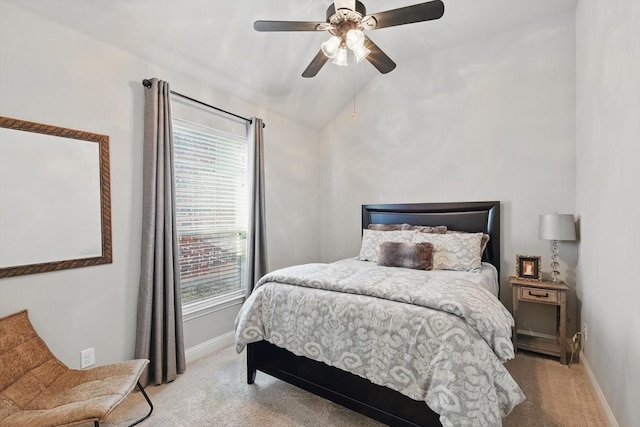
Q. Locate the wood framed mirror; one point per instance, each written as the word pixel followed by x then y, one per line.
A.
pixel 55 198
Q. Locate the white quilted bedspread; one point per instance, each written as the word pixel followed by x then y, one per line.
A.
pixel 439 339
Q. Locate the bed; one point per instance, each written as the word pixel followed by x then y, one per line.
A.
pixel 349 382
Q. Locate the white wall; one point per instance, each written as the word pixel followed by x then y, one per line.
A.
pixel 54 75
pixel 489 120
pixel 607 197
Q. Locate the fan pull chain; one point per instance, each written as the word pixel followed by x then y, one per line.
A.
pixel 354 115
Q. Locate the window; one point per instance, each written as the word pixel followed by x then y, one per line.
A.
pixel 211 209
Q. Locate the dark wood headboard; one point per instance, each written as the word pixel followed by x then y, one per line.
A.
pixel 463 216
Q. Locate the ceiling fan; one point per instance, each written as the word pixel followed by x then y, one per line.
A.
pixel 346 20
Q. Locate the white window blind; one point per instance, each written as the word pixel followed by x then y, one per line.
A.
pixel 211 210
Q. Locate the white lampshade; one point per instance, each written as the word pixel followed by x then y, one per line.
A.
pixel 331 46
pixel 557 227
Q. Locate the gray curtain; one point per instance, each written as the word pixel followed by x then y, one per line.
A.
pixel 257 238
pixel 159 335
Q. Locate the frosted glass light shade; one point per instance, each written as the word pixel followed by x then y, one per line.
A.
pixel 341 57
pixel 556 227
pixel 355 39
pixel 360 53
pixel 331 46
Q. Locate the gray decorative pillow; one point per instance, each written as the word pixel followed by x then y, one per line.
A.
pixel 372 239
pixel 438 229
pixel 407 255
pixel 385 227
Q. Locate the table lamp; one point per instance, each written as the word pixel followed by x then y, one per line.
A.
pixel 556 227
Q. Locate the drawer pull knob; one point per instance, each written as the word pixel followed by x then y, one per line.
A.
pixel 546 295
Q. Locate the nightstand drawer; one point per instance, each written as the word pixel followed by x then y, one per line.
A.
pixel 538 295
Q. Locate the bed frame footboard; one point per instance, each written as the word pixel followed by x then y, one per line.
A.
pixel 351 391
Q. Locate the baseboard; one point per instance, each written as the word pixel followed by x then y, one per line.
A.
pixel 210 346
pixel 606 410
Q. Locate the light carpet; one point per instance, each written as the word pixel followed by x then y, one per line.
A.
pixel 214 392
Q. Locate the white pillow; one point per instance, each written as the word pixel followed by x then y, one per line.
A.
pixel 457 251
pixel 372 239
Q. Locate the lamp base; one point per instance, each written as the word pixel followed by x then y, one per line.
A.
pixel 554 262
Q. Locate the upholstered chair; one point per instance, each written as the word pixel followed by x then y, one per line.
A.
pixel 38 390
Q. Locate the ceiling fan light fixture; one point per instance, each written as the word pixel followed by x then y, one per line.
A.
pixel 341 57
pixel 345 22
pixel 331 46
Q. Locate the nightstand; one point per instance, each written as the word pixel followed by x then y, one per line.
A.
pixel 541 292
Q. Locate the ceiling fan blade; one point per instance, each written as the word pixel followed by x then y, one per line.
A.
pixel 408 15
pixel 287 26
pixel 316 64
pixel 378 58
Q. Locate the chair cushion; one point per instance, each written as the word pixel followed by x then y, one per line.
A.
pixel 38 389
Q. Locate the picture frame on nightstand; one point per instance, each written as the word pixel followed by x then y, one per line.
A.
pixel 528 267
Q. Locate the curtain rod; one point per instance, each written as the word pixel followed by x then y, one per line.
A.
pixel 147 83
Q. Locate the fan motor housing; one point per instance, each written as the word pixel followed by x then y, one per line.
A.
pixel 360 10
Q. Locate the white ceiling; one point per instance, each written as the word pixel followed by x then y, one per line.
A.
pixel 214 41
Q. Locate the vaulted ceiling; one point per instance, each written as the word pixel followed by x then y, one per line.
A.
pixel 214 41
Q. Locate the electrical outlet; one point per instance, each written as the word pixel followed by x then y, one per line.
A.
pixel 584 331
pixel 87 358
